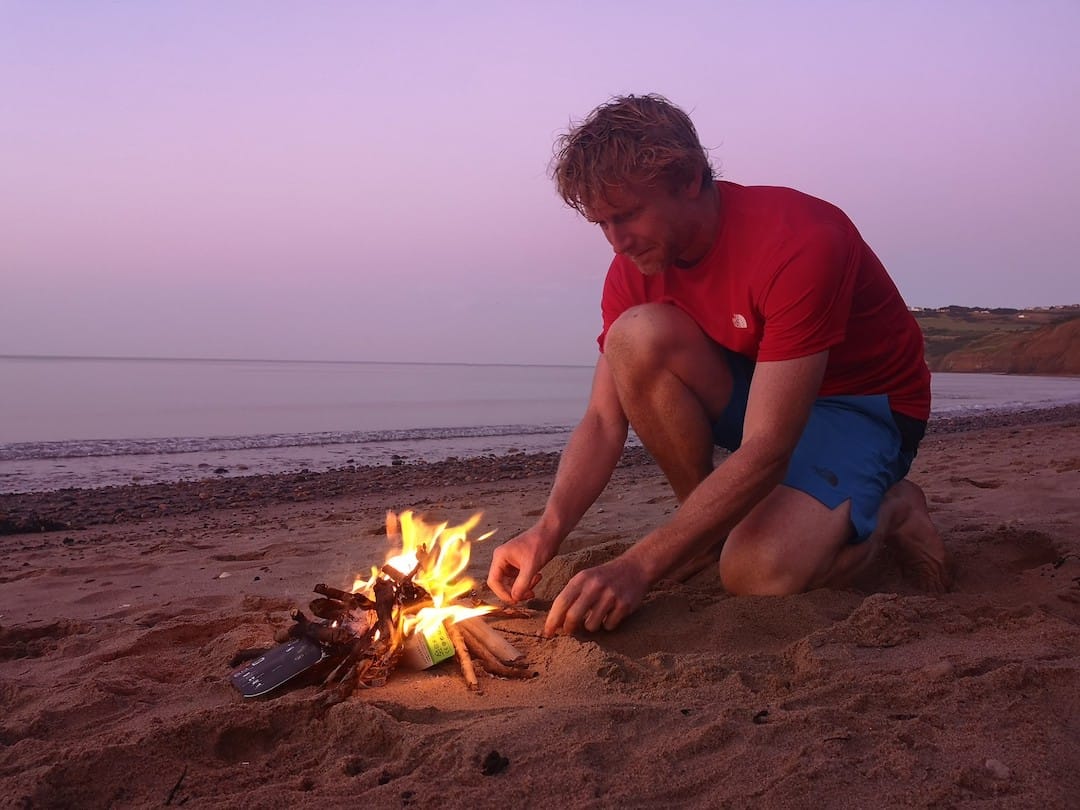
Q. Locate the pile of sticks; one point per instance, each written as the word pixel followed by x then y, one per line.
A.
pixel 358 635
pixel 362 639
pixel 496 655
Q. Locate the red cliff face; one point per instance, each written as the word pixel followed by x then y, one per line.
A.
pixel 1052 349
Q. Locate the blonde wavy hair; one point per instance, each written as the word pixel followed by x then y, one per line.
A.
pixel 630 141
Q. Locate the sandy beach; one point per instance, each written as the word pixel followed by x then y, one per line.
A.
pixel 122 607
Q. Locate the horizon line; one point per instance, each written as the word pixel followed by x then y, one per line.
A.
pixel 137 358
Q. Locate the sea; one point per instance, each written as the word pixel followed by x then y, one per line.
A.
pixel 77 422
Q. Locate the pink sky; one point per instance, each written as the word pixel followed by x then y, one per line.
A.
pixel 341 181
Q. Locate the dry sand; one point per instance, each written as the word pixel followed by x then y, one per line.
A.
pixel 115 633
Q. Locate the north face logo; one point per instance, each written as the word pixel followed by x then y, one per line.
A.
pixel 738 321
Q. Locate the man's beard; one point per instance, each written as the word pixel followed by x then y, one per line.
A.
pixel 653 261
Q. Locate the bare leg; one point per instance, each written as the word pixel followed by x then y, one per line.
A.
pixel 791 542
pixel 905 526
pixel 672 381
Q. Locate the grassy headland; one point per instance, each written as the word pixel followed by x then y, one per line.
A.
pixel 1045 340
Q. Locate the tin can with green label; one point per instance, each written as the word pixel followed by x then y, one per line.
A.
pixel 423 650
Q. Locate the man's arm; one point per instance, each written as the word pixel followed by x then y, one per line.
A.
pixel 584 470
pixel 781 396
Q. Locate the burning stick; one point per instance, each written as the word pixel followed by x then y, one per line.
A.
pixel 464 659
pixel 329 609
pixel 360 648
pixel 354 601
pixel 321 633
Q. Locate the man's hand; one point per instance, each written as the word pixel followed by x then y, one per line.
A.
pixel 598 597
pixel 515 565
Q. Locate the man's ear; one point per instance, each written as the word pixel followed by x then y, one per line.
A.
pixel 692 189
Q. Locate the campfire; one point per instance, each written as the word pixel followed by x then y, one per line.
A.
pixel 415 610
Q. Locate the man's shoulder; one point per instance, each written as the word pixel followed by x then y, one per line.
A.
pixel 771 196
pixel 780 210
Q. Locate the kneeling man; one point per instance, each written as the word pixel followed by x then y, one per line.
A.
pixel 754 318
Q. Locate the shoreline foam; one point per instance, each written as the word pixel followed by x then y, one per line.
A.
pixel 71 506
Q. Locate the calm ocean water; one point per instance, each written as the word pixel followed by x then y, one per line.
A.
pixel 78 422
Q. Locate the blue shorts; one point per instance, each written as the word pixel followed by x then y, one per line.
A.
pixel 851 449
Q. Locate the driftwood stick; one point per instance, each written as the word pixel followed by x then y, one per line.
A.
pixel 355 601
pixel 320 633
pixel 330 609
pixel 488 660
pixel 340 671
pixel 176 787
pixel 386 605
pixel 532 634
pixel 400 578
pixel 514 613
pixel 361 670
pixel 501 671
pixel 502 649
pixel 413 608
pixel 408 591
pixel 464 659
pixel 352 680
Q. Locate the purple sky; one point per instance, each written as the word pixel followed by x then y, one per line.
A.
pixel 356 181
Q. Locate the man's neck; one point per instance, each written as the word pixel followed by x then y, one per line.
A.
pixel 704 214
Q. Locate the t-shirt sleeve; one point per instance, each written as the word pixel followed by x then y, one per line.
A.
pixel 617 298
pixel 807 302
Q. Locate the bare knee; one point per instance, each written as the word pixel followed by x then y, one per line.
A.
pixel 643 336
pixel 652 342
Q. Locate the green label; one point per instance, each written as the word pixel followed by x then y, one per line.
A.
pixel 439 645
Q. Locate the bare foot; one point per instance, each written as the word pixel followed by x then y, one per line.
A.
pixel 908 530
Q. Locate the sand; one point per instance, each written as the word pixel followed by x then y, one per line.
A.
pixel 117 624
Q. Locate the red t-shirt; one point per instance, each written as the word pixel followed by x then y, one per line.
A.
pixel 788 276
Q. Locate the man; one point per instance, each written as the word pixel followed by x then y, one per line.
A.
pixel 754 318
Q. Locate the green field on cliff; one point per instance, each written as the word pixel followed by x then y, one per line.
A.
pixel 974 338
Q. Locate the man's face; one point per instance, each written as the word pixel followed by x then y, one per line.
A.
pixel 649 226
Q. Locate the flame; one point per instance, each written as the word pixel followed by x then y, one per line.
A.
pixel 442 553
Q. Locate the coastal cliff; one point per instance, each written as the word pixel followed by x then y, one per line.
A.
pixel 1053 349
pixel 1002 341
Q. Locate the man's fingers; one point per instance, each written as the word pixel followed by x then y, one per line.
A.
pixel 599 611
pixel 575 615
pixel 500 579
pixel 523 584
pixel 574 607
pixel 495 583
pixel 557 615
pixel 615 616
